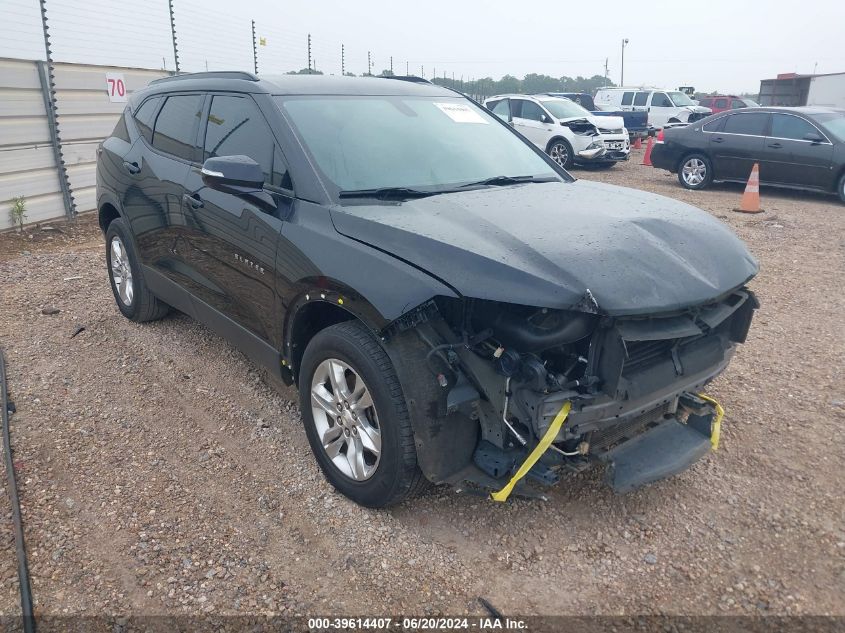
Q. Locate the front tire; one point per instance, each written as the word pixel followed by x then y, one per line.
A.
pixel 133 298
pixel 695 171
pixel 356 418
pixel 560 151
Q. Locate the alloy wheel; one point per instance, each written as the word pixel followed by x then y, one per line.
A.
pixel 121 271
pixel 694 172
pixel 346 420
pixel 559 153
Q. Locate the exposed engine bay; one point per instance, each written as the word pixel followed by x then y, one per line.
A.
pixel 498 374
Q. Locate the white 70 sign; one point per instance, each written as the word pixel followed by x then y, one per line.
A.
pixel 115 87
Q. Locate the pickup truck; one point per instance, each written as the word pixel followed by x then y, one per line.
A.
pixel 635 122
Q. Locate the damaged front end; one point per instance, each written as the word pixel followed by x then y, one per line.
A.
pixel 484 381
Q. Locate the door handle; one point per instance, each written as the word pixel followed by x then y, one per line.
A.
pixel 132 168
pixel 193 199
pixel 775 145
pixel 718 139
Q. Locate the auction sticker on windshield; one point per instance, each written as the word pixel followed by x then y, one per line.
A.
pixel 461 113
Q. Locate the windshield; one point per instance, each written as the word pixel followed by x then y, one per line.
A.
pixel 751 103
pixel 680 99
pixel 833 123
pixel 373 142
pixel 564 108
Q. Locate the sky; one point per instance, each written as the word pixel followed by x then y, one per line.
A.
pixel 718 45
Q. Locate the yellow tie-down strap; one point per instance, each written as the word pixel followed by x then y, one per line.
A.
pixel 716 425
pixel 536 454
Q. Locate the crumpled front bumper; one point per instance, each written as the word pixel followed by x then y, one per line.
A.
pixel 660 452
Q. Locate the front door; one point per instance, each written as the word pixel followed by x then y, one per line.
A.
pixel 532 122
pixel 661 109
pixel 795 159
pixel 232 240
pixel 739 145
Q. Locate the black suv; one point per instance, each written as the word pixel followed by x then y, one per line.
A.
pixel 453 306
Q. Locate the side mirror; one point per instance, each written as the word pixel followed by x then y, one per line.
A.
pixel 814 138
pixel 232 174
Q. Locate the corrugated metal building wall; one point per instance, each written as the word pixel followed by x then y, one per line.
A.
pixel 27 163
pixel 85 115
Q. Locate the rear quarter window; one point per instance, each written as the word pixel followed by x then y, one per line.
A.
pixel 145 117
pixel 120 130
pixel 715 125
pixel 627 98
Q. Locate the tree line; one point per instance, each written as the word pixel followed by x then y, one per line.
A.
pixel 532 83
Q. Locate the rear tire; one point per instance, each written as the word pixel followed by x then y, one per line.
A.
pixel 695 171
pixel 842 188
pixel 352 404
pixel 560 151
pixel 133 298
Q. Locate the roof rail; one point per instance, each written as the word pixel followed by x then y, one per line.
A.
pixel 410 78
pixel 217 74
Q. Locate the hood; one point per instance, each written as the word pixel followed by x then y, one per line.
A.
pixel 606 122
pixel 548 244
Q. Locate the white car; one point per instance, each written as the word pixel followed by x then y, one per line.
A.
pixel 568 133
pixel 664 107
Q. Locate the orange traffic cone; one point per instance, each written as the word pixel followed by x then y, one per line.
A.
pixel 750 202
pixel 647 155
pixel 638 144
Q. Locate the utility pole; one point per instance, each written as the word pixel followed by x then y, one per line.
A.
pixel 622 71
pixel 606 59
pixel 254 50
pixel 369 63
pixel 309 53
pixel 422 71
pixel 391 64
pixel 406 69
pixel 342 60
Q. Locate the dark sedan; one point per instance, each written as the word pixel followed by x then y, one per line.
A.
pixel 802 148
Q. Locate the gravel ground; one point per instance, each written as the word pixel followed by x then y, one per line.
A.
pixel 162 473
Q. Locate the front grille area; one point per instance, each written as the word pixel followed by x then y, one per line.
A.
pixel 608 438
pixel 606 131
pixel 642 354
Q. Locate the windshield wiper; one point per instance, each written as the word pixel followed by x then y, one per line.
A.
pixel 501 181
pixel 387 193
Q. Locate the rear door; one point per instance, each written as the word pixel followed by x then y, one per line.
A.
pixel 156 167
pixel 532 121
pixel 795 160
pixel 739 144
pixel 232 240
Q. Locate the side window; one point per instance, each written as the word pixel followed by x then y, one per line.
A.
pixel 236 127
pixel 501 109
pixel 787 126
pixel 532 111
pixel 751 123
pixel 640 98
pixel 176 126
pixel 144 117
pixel 721 103
pixel 627 98
pixel 120 130
pixel 736 104
pixel 661 100
pixel 516 108
pixel 715 125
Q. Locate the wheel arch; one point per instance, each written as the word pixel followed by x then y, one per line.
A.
pixel 558 137
pixel 108 210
